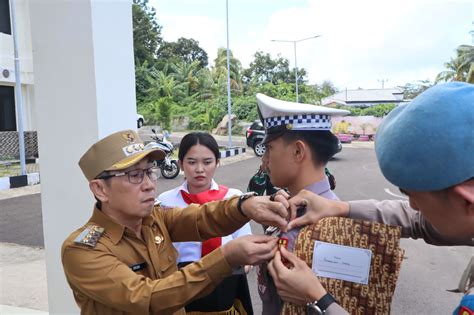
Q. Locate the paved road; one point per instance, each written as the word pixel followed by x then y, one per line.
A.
pixel 427 271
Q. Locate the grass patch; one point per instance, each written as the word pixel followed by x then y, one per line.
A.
pixel 8 169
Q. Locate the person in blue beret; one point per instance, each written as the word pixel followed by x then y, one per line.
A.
pixel 431 164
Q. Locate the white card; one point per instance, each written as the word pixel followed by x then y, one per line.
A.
pixel 342 262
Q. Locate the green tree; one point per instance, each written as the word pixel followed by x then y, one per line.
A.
pixel 207 87
pixel 453 72
pixel 164 85
pixel 146 38
pixel 266 69
pixel 220 71
pixel 412 90
pixel 245 108
pixel 380 110
pixel 207 120
pixel 146 32
pixel 466 58
pixel 164 108
pixel 142 82
pixel 460 68
pixel 326 89
pixel 186 50
pixel 159 112
pixel 206 115
pixel 186 74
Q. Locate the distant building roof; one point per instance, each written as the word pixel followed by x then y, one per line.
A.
pixel 364 98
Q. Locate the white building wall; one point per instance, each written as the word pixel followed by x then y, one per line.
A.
pixel 85 88
pixel 25 53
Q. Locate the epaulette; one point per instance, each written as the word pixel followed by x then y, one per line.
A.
pixel 90 236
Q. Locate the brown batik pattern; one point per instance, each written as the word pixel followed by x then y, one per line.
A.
pixel 384 242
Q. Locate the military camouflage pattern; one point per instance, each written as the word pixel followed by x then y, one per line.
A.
pixel 387 256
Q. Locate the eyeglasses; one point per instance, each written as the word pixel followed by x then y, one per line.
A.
pixel 136 176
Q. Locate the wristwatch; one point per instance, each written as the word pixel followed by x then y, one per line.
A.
pixel 244 197
pixel 319 307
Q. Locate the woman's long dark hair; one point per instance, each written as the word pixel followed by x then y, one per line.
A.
pixel 197 137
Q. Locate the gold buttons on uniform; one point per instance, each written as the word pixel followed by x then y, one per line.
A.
pixel 159 239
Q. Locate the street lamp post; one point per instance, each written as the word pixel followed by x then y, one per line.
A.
pixel 229 109
pixel 18 97
pixel 296 63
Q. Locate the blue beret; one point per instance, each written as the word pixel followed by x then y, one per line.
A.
pixel 428 144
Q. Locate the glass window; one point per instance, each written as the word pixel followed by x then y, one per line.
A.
pixel 7 108
pixel 5 26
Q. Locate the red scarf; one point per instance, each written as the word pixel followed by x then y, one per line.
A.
pixel 201 198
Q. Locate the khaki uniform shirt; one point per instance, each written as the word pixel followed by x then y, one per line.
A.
pixel 102 279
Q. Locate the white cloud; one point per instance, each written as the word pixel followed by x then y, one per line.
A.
pixel 362 41
pixel 366 40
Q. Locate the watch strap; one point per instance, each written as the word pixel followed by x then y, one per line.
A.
pixel 242 198
pixel 324 302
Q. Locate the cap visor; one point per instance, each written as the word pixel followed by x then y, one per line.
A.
pixel 154 154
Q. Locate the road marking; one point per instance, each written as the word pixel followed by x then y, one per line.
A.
pixel 395 195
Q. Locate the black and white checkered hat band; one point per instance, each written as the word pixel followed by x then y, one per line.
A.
pixel 300 122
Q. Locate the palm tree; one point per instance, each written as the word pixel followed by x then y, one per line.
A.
pixel 452 73
pixel 185 75
pixel 466 56
pixel 208 88
pixel 162 85
pixel 220 70
pixel 460 68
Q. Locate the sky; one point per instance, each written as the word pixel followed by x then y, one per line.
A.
pixel 362 42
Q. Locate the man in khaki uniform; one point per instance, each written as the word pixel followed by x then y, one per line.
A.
pixel 122 260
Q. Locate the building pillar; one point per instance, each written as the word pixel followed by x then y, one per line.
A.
pixel 84 90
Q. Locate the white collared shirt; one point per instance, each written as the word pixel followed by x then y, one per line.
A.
pixel 191 251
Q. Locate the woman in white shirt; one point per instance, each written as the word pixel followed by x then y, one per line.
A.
pixel 198 157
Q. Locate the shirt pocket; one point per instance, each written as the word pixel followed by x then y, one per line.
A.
pixel 168 257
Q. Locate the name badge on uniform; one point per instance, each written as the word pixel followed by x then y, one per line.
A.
pixel 138 267
pixel 342 262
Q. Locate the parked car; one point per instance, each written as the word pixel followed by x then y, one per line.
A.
pixel 254 135
pixel 140 120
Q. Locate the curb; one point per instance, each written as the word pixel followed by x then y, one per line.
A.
pixel 231 152
pixel 19 181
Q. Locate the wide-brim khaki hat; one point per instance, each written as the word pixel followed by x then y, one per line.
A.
pixel 118 151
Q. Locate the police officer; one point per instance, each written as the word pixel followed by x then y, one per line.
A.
pixel 426 148
pixel 299 144
pixel 122 260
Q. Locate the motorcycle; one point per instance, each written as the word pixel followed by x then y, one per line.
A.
pixel 169 167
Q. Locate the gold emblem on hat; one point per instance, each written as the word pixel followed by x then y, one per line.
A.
pixel 159 239
pixel 289 126
pixel 129 136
